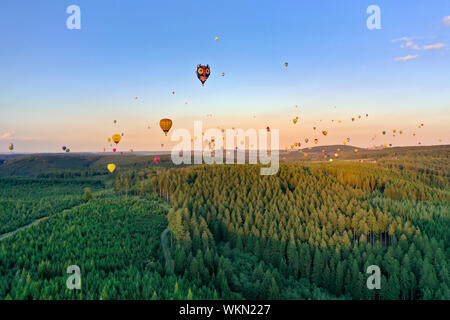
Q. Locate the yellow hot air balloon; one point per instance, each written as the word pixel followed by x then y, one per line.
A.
pixel 356 150
pixel 286 64
pixel 111 167
pixel 217 38
pixel 109 139
pixel 116 138
pixel 294 120
pixel 165 125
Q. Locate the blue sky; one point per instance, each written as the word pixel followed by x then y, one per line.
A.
pixel 65 87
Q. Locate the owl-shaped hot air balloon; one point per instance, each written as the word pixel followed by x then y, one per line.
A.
pixel 203 73
pixel 165 125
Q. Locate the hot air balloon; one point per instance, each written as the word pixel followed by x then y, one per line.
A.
pixel 306 140
pixel 217 38
pixel 286 64
pixel 111 167
pixel 316 140
pixel 314 128
pixel 165 125
pixel 353 119
pixel 11 147
pixel 305 154
pixel 384 132
pixel 203 73
pixel 268 129
pixel 295 120
pixel 116 138
pixel 356 150
pixel 114 150
pixel 109 139
pixel 67 150
pixel 115 121
pixel 223 74
pixel 157 160
pixel 64 148
pixel 324 132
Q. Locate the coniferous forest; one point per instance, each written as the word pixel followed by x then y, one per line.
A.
pixel 156 231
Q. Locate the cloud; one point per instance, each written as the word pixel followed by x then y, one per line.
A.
pixel 446 20
pixel 410 44
pixel 6 135
pixel 434 46
pixel 408 57
pixel 402 39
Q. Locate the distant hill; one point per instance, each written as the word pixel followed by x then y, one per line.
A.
pixel 33 165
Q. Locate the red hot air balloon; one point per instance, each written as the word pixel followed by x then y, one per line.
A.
pixel 157 160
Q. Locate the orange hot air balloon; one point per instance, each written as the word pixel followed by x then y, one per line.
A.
pixel 324 132
pixel 116 138
pixel 165 125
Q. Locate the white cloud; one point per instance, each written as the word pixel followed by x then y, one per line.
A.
pixel 6 135
pixel 446 20
pixel 434 46
pixel 406 58
pixel 402 39
pixel 410 44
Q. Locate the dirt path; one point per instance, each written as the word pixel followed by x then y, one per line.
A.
pixel 35 222
pixel 11 233
pixel 164 245
pixel 165 249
